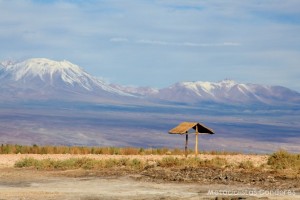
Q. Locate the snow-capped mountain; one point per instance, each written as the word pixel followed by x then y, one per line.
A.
pixel 227 92
pixel 41 78
pixel 44 78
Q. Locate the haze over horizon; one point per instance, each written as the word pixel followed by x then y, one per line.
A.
pixel 158 43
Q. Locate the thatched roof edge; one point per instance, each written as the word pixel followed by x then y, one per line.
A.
pixel 184 127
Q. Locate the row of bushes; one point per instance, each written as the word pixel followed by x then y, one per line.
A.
pixel 89 163
pixel 280 160
pixel 77 163
pixel 35 149
pixel 137 164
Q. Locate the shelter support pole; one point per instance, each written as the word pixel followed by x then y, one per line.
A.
pixel 196 143
pixel 186 144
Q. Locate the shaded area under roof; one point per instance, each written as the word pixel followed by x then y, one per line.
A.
pixel 184 127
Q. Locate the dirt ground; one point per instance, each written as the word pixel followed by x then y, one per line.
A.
pixel 153 183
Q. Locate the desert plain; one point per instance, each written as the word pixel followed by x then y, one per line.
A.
pixel 154 180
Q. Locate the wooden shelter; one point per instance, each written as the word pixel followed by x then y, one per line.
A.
pixel 185 127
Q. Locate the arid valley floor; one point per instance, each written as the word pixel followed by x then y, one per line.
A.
pixel 153 181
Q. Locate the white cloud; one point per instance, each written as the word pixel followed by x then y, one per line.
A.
pixel 155 42
pixel 186 44
pixel 119 39
pixel 210 44
pixel 215 37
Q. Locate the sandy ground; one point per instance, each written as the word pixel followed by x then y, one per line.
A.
pixel 32 184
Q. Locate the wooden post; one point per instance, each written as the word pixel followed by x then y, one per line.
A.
pixel 196 144
pixel 186 144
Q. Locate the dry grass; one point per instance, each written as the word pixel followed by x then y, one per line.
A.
pixel 281 163
pixel 247 165
pixel 77 163
pixel 35 149
pixel 83 150
pixel 122 157
pixel 136 164
pixel 281 160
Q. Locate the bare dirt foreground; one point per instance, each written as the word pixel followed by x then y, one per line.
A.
pixel 152 183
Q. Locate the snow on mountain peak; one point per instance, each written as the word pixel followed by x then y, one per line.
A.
pixel 228 82
pixel 41 67
pixel 189 85
pixel 59 74
pixel 42 76
pixel 208 86
pixel 226 91
pixel 6 63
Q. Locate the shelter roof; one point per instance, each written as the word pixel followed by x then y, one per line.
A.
pixel 184 127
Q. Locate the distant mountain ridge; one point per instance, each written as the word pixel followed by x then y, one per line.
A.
pixel 225 92
pixel 228 92
pixel 48 79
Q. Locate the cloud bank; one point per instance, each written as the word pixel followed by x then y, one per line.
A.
pixel 157 43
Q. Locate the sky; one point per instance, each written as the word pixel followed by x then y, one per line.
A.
pixel 159 42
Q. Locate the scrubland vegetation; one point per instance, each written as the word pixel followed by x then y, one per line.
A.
pixel 76 163
pixel 35 149
pixel 280 161
pixel 280 169
pixel 88 163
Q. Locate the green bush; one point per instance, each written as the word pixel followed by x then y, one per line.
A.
pixel 26 162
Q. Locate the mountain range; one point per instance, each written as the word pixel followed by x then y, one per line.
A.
pixel 41 78
pixel 224 92
pixel 58 103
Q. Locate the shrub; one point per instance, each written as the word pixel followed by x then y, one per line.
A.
pixel 284 160
pixel 192 162
pixel 170 162
pixel 114 151
pixel 6 149
pixel 26 162
pixel 217 162
pixel 246 165
pixel 136 164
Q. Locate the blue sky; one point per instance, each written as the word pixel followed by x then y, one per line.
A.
pixel 160 42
